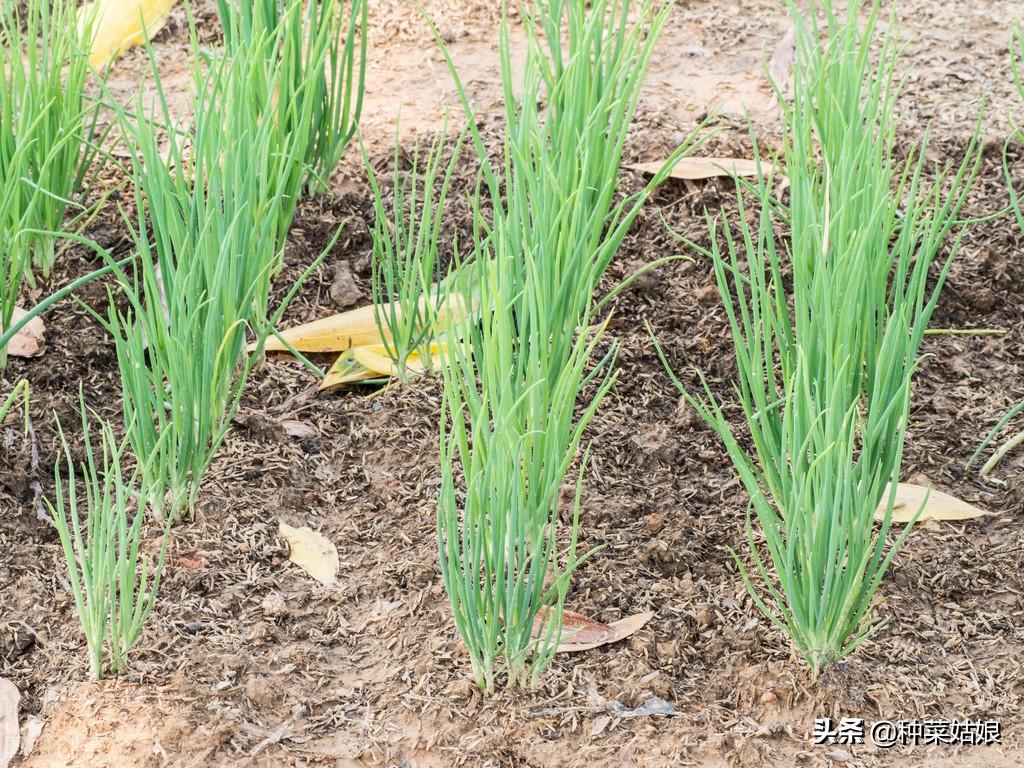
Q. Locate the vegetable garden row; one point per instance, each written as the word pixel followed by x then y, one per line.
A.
pixel 829 278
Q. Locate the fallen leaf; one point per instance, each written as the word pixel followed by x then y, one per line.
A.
pixel 312 552
pixel 346 370
pixel 355 328
pixel 693 168
pixel 940 506
pixel 375 358
pixel 10 733
pixel 120 24
pixel 30 340
pixel 582 633
pixel 369 362
pixel 298 428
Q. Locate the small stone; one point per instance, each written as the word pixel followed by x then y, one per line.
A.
pixel 768 697
pixel 707 295
pixel 273 605
pixel 344 292
pixel 655 522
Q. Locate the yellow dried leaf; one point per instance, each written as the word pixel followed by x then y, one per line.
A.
pixel 375 358
pixel 312 552
pixel 940 506
pixel 120 24
pixel 355 328
pixel 336 333
pixel 346 370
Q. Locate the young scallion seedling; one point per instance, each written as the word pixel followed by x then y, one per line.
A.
pixel 43 69
pixel 213 212
pixel 1017 134
pixel 20 390
pixel 322 62
pixel 827 332
pixel 113 587
pixel 406 270
pixel 510 428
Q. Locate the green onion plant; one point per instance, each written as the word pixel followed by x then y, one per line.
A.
pixel 1017 134
pixel 20 390
pixel 509 432
pixel 406 270
pixel 321 63
pixel 15 260
pixel 827 331
pixel 43 105
pixel 213 213
pixel 101 536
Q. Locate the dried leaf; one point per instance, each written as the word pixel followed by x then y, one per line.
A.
pixel 312 552
pixel 30 340
pixel 582 633
pixel 693 168
pixel 10 733
pixel 298 428
pixel 370 362
pixel 346 370
pixel 120 24
pixel 940 506
pixel 375 358
pixel 355 328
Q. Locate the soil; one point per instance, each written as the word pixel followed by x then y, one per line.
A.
pixel 248 662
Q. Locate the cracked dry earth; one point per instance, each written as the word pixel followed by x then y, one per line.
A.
pixel 247 662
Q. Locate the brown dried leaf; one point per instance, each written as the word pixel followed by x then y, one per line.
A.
pixel 940 506
pixel 582 633
pixel 693 168
pixel 10 733
pixel 30 340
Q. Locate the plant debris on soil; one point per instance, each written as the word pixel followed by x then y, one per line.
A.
pixel 247 661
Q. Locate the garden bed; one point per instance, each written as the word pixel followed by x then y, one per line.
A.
pixel 247 661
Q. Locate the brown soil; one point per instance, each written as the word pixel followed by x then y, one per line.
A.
pixel 247 662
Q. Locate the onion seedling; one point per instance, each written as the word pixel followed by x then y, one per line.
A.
pixel 218 213
pixel 113 587
pixel 43 68
pixel 508 418
pixel 322 60
pixel 21 390
pixel 1017 67
pixel 827 332
pixel 407 295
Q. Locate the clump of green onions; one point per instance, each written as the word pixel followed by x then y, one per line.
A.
pixel 508 416
pixel 113 587
pixel 827 332
pixel 43 68
pixel 218 212
pixel 406 269
pixel 1016 59
pixel 321 60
